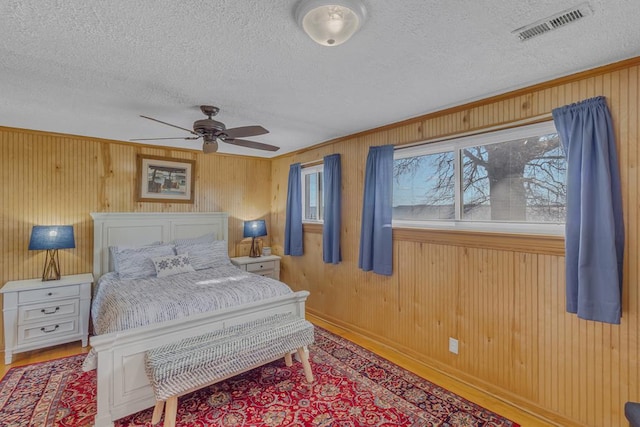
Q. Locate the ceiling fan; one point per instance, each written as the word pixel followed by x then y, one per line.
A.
pixel 212 131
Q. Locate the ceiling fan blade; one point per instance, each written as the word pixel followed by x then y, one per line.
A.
pixel 169 124
pixel 251 144
pixel 245 131
pixel 157 139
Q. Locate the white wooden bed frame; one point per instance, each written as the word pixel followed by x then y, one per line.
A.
pixel 123 387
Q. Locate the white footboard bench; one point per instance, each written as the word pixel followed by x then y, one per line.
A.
pixel 193 363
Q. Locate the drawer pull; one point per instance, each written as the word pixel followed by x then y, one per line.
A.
pixel 48 310
pixel 45 330
pixel 49 294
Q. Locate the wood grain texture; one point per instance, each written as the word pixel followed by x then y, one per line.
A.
pixel 502 297
pixel 436 377
pixel 58 179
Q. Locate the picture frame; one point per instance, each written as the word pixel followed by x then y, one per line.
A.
pixel 164 179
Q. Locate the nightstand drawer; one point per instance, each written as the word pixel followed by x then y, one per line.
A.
pixel 261 266
pixel 47 330
pixel 265 273
pixel 266 265
pixel 51 310
pixel 46 294
pixel 40 314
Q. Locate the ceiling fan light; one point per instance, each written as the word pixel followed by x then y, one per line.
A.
pixel 210 147
pixel 330 22
pixel 212 131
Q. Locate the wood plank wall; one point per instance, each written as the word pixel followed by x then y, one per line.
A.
pixel 502 298
pixel 59 179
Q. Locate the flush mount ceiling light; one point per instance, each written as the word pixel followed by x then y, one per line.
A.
pixel 330 22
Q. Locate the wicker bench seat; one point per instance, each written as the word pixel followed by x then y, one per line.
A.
pixel 193 363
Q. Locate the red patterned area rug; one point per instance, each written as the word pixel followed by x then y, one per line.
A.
pixel 53 393
pixel 353 387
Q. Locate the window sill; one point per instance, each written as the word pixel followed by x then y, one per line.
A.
pixel 530 243
pixel 311 227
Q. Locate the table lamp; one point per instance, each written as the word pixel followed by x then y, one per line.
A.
pixel 51 238
pixel 253 229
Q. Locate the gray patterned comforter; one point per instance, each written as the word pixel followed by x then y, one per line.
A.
pixel 124 304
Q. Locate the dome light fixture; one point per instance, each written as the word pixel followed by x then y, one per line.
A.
pixel 330 22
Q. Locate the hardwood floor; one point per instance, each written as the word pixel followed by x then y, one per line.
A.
pixel 525 419
pixel 43 355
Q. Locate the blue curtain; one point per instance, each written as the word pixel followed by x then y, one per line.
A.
pixel 376 241
pixel 293 222
pixel 594 229
pixel 332 209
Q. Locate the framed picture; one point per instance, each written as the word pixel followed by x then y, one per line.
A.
pixel 163 179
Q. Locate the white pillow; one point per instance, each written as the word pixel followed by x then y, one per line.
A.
pixel 136 263
pixel 114 249
pixel 206 255
pixel 171 265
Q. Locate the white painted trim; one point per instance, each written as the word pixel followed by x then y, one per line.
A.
pixel 123 387
pixel 473 140
pixel 455 144
pixel 309 171
pixel 500 227
pixel 140 228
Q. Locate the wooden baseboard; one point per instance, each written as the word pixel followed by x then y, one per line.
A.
pixel 508 405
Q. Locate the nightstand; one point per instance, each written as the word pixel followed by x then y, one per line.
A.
pixel 268 265
pixel 40 314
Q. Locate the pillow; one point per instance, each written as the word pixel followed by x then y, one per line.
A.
pixel 171 265
pixel 136 263
pixel 205 238
pixel 206 255
pixel 114 249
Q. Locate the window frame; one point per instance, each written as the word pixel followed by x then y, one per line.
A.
pixel 310 170
pixel 457 144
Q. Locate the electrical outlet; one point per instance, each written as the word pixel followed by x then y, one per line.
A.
pixel 453 345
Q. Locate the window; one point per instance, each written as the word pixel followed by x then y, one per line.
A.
pixel 312 194
pixel 511 180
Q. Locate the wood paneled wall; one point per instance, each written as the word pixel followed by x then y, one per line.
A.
pixel 502 299
pixel 60 179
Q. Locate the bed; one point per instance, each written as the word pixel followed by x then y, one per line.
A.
pixel 122 386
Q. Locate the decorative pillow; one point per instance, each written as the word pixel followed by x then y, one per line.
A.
pixel 171 265
pixel 206 255
pixel 136 263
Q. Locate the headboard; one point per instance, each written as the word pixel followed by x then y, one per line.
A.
pixel 141 228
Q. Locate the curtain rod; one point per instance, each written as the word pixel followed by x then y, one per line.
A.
pixel 528 121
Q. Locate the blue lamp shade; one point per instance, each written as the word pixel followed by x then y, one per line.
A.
pixel 51 237
pixel 255 228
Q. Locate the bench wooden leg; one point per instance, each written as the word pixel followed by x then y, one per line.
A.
pixel 305 364
pixel 287 359
pixel 170 413
pixel 157 412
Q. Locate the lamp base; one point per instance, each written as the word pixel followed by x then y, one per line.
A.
pixel 51 266
pixel 255 250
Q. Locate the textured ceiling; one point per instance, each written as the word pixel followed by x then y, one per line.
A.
pixel 92 67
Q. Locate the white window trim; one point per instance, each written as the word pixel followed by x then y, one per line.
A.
pixel 304 172
pixel 456 145
pixel 498 227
